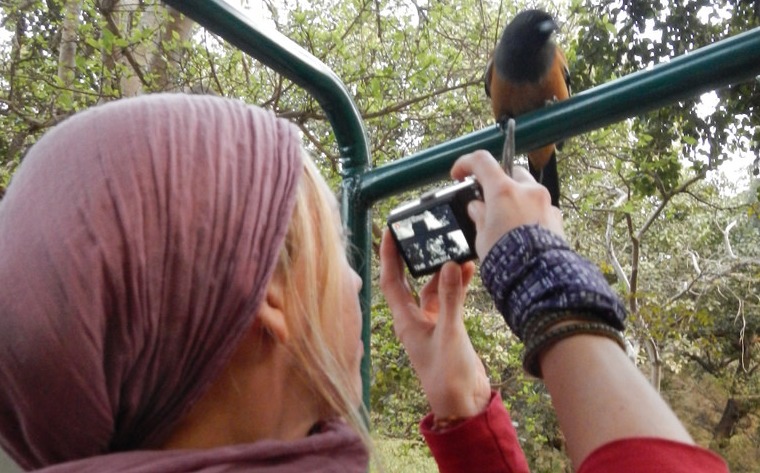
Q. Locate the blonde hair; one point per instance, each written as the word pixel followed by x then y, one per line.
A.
pixel 308 266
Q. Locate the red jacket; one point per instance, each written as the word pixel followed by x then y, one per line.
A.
pixel 488 443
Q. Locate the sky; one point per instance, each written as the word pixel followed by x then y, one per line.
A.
pixel 735 169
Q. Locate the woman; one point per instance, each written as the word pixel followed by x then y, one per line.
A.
pixel 570 321
pixel 176 297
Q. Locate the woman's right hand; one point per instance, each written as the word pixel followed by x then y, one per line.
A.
pixel 509 202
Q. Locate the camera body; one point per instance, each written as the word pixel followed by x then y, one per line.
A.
pixel 435 228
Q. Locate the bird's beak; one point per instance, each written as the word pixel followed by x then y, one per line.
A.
pixel 547 27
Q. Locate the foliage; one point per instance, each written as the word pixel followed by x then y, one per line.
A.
pixel 645 199
pixel 409 456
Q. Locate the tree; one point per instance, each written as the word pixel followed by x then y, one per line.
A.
pixel 641 197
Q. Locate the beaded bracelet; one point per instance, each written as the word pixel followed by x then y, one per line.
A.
pixel 540 323
pixel 540 343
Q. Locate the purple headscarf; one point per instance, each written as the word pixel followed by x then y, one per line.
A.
pixel 137 239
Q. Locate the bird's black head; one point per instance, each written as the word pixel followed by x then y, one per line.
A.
pixel 526 51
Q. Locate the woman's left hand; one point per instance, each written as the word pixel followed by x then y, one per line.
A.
pixel 434 335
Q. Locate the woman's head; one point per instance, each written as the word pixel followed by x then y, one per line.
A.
pixel 321 292
pixel 138 241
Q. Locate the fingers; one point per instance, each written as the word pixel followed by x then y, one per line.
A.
pixel 477 212
pixel 521 175
pixel 482 165
pixel 508 202
pixel 390 262
pixel 468 272
pixel 486 168
pixel 450 288
pixel 392 280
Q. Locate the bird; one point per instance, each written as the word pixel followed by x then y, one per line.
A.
pixel 526 71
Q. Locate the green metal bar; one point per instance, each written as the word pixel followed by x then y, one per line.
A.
pixel 726 62
pixel 359 221
pixel 284 56
pixel 279 53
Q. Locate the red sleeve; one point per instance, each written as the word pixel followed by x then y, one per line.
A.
pixel 484 443
pixel 644 455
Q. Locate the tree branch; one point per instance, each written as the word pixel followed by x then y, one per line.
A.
pixel 665 200
pixel 397 107
pixel 407 103
pixel 622 196
pixel 212 66
pixel 314 141
pixel 113 27
pixel 726 240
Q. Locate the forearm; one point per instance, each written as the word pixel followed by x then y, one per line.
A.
pixel 600 396
pixel 484 443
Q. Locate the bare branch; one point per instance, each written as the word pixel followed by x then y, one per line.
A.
pixel 727 240
pixel 406 103
pixel 397 107
pixel 665 200
pixel 695 261
pixel 742 341
pixel 313 140
pixel 212 66
pixel 622 197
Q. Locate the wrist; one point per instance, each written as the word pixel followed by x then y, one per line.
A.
pixel 445 420
pixel 532 272
pixel 446 423
pixel 559 327
pixel 586 349
pixel 463 406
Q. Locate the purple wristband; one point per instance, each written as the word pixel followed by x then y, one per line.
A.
pixel 530 271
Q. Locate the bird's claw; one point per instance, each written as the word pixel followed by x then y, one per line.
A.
pixel 551 101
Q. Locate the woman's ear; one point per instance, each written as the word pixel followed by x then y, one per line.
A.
pixel 272 314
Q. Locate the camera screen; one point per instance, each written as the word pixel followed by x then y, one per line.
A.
pixel 431 238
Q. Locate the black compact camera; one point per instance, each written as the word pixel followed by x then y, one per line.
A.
pixel 435 228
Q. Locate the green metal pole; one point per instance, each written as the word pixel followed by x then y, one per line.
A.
pixel 284 56
pixel 279 53
pixel 729 61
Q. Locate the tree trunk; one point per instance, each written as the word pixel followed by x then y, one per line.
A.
pixel 150 58
pixel 176 25
pixel 132 83
pixel 68 49
pixel 733 412
pixel 737 406
pixel 109 81
pixel 655 370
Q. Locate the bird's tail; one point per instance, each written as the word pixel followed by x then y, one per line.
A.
pixel 548 177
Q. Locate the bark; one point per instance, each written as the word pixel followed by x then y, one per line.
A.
pixel 68 49
pixel 649 343
pixel 152 58
pixel 139 56
pixel 110 58
pixel 738 406
pixel 622 197
pixel 734 411
pixel 176 25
